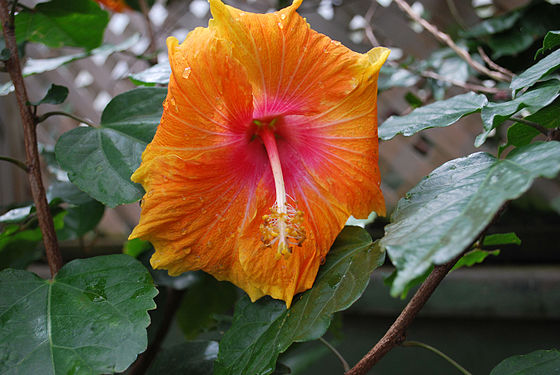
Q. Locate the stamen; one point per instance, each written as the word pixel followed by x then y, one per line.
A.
pixel 284 225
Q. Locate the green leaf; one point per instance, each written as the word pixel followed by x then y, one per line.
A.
pixel 494 114
pixel 520 134
pixel 136 247
pixel 540 70
pixel 6 88
pixel 395 77
pixel 68 192
pixel 474 257
pixel 494 25
pixel 56 95
pixel 264 329
pixel 81 219
pixel 540 362
pixel 192 358
pixel 501 239
pixel 442 215
pixel 37 66
pixel 59 23
pixel 204 299
pixel 436 115
pixel 413 100
pixel 16 215
pixel 19 244
pixel 551 40
pixel 157 74
pixel 91 318
pixel 101 160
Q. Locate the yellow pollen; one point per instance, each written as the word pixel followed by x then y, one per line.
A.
pixel 284 229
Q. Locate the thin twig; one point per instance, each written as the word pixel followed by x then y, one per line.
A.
pixel 532 124
pixel 395 335
pixel 152 46
pixel 45 116
pixel 466 86
pixel 492 64
pixel 439 353
pixel 19 163
pixel 367 28
pixel 30 138
pixel 336 353
pixel 444 38
pixel 144 360
pixel 455 13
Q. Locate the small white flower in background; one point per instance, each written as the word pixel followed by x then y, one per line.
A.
pixel 199 8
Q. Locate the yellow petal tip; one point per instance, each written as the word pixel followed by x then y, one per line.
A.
pixel 377 57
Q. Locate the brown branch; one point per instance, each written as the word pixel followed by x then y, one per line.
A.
pixel 31 151
pixel 444 38
pixel 151 35
pixel 492 64
pixel 466 86
pixel 368 29
pixel 395 335
pixel 144 360
pixel 45 116
pixel 16 162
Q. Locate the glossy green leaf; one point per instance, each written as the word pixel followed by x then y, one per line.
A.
pixel 474 257
pixel 494 114
pixel 395 77
pixel 81 219
pixel 136 247
pixel 494 25
pixel 540 362
pixel 536 72
pixel 16 215
pixel 520 134
pixel 6 88
pixel 37 66
pixel 204 299
pixel 68 192
pixel 501 239
pixel 436 115
pixel 56 95
pixel 101 160
pixel 19 243
pixel 157 74
pixel 91 318
pixel 445 213
pixel 59 23
pixel 264 329
pixel 551 40
pixel 191 358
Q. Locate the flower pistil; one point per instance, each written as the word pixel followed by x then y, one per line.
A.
pixel 283 226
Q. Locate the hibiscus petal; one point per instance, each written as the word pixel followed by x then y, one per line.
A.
pixel 194 198
pixel 290 66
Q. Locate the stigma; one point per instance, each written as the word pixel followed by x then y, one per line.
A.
pixel 283 226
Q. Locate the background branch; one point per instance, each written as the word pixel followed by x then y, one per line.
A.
pixel 444 38
pixel 19 163
pixel 395 335
pixel 31 151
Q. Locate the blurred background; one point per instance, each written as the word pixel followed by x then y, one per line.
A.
pixel 515 306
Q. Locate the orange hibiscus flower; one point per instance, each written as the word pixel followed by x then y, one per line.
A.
pixel 115 5
pixel 267 144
